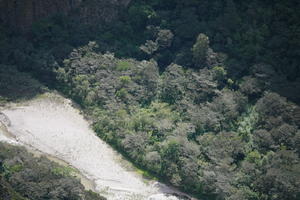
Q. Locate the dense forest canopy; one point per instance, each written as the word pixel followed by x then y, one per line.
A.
pixel 202 94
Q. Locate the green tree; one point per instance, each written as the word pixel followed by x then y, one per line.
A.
pixel 200 50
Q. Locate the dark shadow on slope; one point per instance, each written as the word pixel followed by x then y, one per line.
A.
pixel 287 89
pixel 16 85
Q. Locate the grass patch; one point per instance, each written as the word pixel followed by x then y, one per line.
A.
pixel 63 171
pixel 145 174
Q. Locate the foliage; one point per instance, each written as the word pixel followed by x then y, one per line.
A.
pixel 7 192
pixel 15 85
pixel 123 65
pixel 125 79
pixel 213 124
pixel 200 50
pixel 194 132
pixel 247 123
pixel 23 175
pixel 219 73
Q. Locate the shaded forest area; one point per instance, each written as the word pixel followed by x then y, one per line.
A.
pixel 203 94
pixel 248 33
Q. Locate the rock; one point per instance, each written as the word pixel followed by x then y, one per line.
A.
pixel 162 197
pixel 4 119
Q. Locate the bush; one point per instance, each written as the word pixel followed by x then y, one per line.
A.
pixel 123 65
pixel 125 79
pixel 219 73
pixel 37 178
pixel 200 50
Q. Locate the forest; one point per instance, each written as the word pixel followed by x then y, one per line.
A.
pixel 203 95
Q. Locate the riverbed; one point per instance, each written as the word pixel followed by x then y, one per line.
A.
pixel 52 125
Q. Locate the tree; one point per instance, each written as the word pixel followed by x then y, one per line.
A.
pixel 164 38
pixel 200 50
pixel 280 176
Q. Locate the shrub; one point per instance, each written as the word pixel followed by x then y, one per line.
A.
pixel 125 79
pixel 122 93
pixel 200 50
pixel 251 86
pixel 38 178
pixel 219 73
pixel 123 65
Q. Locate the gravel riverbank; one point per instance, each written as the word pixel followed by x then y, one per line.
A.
pixel 53 126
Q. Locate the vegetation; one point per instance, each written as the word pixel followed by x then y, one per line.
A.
pixel 16 85
pixel 189 127
pixel 24 177
pixel 202 94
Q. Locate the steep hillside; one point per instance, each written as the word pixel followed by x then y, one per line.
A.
pixel 203 95
pixel 20 15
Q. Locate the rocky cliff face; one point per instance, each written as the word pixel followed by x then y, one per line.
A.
pixel 21 14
